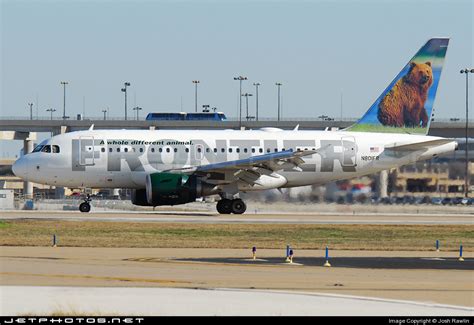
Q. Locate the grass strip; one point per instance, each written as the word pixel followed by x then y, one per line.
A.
pixel 169 235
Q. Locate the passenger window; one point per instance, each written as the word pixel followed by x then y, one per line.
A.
pixel 237 150
pixel 167 149
pixel 110 150
pixel 46 149
pixel 253 150
pixel 118 149
pixel 55 149
pixel 187 149
pixel 268 150
pixel 152 149
pixel 260 150
pixel 141 149
pixel 230 150
pixel 102 150
pixel 245 150
pixel 223 150
pixel 175 149
pixel 126 149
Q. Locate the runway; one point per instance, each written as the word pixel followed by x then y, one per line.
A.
pixel 377 218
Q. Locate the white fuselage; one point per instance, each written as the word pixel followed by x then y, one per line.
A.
pixel 123 158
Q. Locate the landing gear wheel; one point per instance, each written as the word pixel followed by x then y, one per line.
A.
pixel 238 206
pixel 224 206
pixel 84 207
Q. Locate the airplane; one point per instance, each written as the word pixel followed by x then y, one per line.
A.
pixel 171 167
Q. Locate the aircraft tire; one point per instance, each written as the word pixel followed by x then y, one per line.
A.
pixel 238 206
pixel 84 207
pixel 224 206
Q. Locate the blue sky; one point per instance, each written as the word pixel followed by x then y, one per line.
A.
pixel 317 49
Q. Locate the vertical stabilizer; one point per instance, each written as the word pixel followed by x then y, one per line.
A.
pixel 406 105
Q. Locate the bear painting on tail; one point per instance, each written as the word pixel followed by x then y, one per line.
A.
pixel 404 104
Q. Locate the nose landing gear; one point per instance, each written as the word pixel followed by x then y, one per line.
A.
pixel 227 206
pixel 85 206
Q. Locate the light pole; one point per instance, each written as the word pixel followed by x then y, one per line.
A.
pixel 31 110
pixel 247 95
pixel 278 85
pixel 64 83
pixel 124 90
pixel 341 105
pixel 105 114
pixel 240 78
pixel 195 82
pixel 51 110
pixel 137 109
pixel 256 84
pixel 466 179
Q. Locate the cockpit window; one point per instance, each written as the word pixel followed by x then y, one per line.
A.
pixel 47 148
pixel 38 148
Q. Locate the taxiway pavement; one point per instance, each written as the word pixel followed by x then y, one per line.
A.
pixel 425 277
pixel 195 302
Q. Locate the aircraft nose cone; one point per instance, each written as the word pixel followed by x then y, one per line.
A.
pixel 20 168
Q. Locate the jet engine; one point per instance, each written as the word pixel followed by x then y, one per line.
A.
pixel 171 189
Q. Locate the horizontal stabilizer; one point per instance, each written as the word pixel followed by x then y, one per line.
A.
pixel 404 146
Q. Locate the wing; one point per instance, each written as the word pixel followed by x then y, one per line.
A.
pixel 248 170
pixel 271 161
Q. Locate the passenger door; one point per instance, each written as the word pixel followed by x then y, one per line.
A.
pixel 87 153
pixel 349 151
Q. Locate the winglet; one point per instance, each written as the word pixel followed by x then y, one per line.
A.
pixel 91 128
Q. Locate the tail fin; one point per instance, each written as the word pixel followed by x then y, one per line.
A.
pixel 405 106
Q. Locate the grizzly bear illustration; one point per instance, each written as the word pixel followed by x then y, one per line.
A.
pixel 404 104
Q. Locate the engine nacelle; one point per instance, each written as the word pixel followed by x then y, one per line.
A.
pixel 139 197
pixel 171 189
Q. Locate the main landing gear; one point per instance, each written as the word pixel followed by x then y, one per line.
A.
pixel 227 206
pixel 85 206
